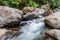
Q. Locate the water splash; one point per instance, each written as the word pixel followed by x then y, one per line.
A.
pixel 34 30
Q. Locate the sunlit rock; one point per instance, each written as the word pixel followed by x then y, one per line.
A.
pixel 9 35
pixel 47 10
pixel 28 9
pixel 9 16
pixel 53 20
pixel 54 33
pixel 3 32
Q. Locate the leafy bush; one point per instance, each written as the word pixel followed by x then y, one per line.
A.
pixel 33 3
pixel 18 3
pixel 53 3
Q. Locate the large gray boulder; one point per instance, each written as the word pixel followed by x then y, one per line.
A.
pixel 54 33
pixel 53 20
pixel 9 16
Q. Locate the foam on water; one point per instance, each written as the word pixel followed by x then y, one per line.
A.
pixel 34 30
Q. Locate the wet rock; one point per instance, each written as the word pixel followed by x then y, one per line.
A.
pixel 28 9
pixel 14 28
pixel 54 33
pixel 31 16
pixel 23 23
pixel 9 16
pixel 53 20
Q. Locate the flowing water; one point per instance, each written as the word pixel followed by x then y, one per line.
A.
pixel 33 30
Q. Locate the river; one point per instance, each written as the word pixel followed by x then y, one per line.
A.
pixel 33 30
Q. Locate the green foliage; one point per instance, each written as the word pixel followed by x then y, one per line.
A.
pixel 53 3
pixel 33 3
pixel 18 3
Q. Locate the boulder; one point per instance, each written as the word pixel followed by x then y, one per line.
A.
pixel 28 9
pixel 47 10
pixel 54 33
pixel 9 16
pixel 56 10
pixel 38 12
pixel 44 10
pixel 8 35
pixel 32 15
pixel 53 20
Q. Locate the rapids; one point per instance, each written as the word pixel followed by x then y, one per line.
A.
pixel 33 30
